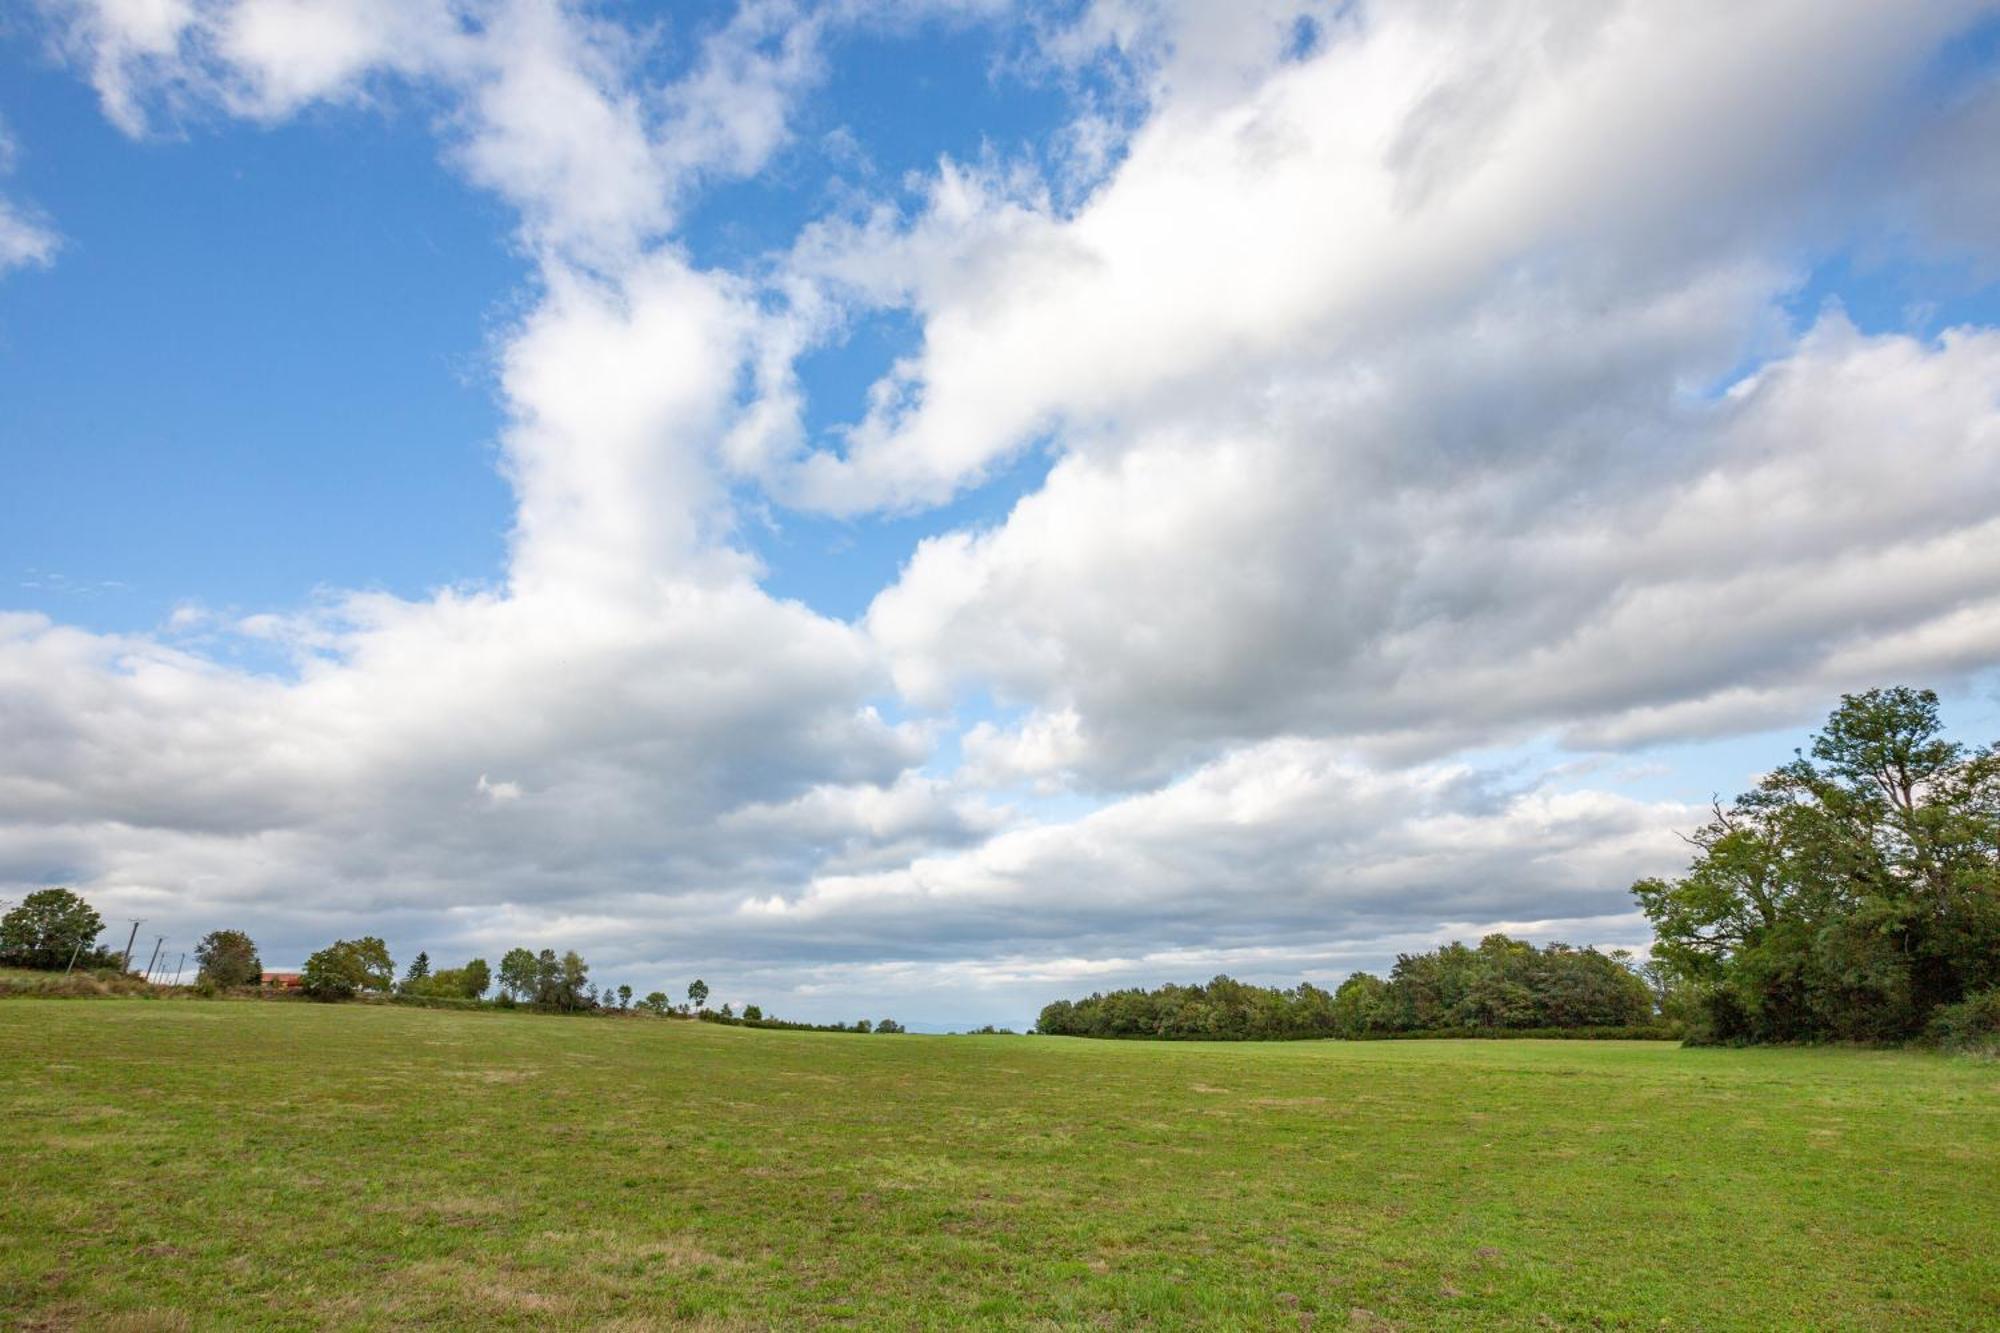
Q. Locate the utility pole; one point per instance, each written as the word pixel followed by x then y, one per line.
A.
pixel 126 966
pixel 156 956
pixel 178 966
pixel 72 958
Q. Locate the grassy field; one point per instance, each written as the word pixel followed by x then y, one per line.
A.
pixel 181 1164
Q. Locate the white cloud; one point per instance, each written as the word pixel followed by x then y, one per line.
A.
pixel 1378 188
pixel 26 239
pixel 1574 554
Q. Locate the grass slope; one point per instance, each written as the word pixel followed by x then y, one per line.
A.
pixel 188 1164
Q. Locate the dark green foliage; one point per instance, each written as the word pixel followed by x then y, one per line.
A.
pixel 1848 897
pixel 890 1025
pixel 451 983
pixel 48 929
pixel 560 984
pixel 346 966
pixel 744 1020
pixel 752 1012
pixel 698 992
pixel 1971 1026
pixel 624 997
pixel 420 971
pixel 227 958
pixel 656 1002
pixel 1503 985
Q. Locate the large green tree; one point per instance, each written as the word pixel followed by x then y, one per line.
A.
pixel 346 966
pixel 1851 894
pixel 48 929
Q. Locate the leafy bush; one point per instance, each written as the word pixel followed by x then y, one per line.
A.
pixel 1972 1026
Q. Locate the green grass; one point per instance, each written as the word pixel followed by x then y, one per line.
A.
pixel 236 1164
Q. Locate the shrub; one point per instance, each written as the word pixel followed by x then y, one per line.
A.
pixel 1972 1026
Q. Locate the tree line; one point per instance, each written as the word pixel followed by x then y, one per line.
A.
pixel 1502 985
pixel 55 930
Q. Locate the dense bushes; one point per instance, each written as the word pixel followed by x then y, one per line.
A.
pixel 1972 1026
pixel 1853 896
pixel 1502 986
pixel 785 1025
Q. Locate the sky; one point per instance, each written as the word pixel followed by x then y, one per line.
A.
pixel 920 509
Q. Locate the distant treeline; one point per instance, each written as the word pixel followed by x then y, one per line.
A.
pixel 748 1020
pixel 1503 987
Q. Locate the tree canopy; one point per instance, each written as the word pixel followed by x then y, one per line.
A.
pixel 1851 895
pixel 228 958
pixel 1504 984
pixel 48 929
pixel 346 966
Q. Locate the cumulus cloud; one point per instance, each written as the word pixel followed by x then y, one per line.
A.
pixel 1581 555
pixel 1414 379
pixel 1379 188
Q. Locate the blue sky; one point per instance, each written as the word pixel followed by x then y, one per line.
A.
pixel 264 365
pixel 324 473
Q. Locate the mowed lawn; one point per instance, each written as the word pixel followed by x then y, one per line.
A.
pixel 181 1164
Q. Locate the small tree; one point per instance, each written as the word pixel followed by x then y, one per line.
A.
pixel 517 974
pixel 50 927
pixel 754 1013
pixel 698 992
pixel 475 979
pixel 888 1025
pixel 420 970
pixel 727 1012
pixel 624 997
pixel 572 978
pixel 656 1002
pixel 863 1025
pixel 227 958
